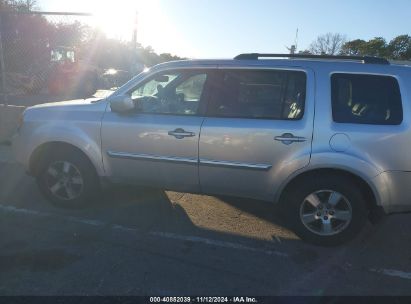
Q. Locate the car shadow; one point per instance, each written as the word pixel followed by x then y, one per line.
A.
pixel 155 210
pixel 147 209
pixel 268 211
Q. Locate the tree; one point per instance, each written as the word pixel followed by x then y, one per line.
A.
pixel 328 44
pixel 169 57
pixel 68 34
pixel 28 39
pixel 25 37
pixel 354 47
pixel 400 48
pixel 18 5
pixel 376 47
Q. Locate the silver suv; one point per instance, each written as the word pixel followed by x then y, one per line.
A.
pixel 329 138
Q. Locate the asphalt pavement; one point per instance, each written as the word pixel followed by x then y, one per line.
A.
pixel 140 241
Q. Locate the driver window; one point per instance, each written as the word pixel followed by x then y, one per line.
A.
pixel 150 88
pixel 170 93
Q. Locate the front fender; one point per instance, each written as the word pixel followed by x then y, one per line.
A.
pixel 85 138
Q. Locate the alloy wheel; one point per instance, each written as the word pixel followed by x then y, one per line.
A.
pixel 64 180
pixel 326 212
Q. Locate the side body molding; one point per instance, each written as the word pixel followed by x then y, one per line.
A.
pixel 195 161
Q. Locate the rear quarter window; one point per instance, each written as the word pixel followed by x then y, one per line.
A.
pixel 366 99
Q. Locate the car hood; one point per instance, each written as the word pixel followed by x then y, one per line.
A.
pixel 74 102
pixel 73 105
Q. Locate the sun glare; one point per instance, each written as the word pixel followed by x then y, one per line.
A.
pixel 153 25
pixel 117 20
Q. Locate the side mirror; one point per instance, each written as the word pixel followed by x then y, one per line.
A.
pixel 121 104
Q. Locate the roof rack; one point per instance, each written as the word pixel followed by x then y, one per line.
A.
pixel 364 59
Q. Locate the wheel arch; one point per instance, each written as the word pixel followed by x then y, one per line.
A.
pixel 369 190
pixel 41 153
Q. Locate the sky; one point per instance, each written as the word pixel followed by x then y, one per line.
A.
pixel 225 28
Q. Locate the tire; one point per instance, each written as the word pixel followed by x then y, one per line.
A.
pixel 325 210
pixel 67 178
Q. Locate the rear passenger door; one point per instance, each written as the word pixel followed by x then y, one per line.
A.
pixel 258 130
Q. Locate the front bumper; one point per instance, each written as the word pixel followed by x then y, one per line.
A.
pixel 19 151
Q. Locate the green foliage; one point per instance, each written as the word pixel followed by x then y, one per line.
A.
pixel 354 47
pixel 399 48
pixel 376 47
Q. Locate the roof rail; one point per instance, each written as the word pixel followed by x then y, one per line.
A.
pixel 364 59
pixel 401 62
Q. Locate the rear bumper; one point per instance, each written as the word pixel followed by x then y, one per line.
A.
pixel 396 191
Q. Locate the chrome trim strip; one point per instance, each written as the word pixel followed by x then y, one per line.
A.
pixel 174 159
pixel 238 165
pixel 149 157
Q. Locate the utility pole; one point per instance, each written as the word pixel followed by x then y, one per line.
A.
pixel 135 29
pixel 134 43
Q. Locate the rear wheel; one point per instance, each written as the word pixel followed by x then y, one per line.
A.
pixel 326 210
pixel 68 179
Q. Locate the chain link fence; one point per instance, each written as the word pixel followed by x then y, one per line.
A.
pixel 57 54
pixel 34 45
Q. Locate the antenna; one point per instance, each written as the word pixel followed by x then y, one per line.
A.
pixel 293 48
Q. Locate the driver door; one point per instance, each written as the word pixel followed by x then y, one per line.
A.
pixel 157 144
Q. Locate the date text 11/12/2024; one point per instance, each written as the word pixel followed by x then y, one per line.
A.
pixel 203 300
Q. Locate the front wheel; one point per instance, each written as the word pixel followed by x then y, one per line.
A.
pixel 326 210
pixel 68 179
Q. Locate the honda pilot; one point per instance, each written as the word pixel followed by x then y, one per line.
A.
pixel 327 138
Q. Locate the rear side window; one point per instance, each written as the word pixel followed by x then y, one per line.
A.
pixel 366 99
pixel 259 94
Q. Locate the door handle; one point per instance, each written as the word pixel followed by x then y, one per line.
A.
pixel 180 133
pixel 288 138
